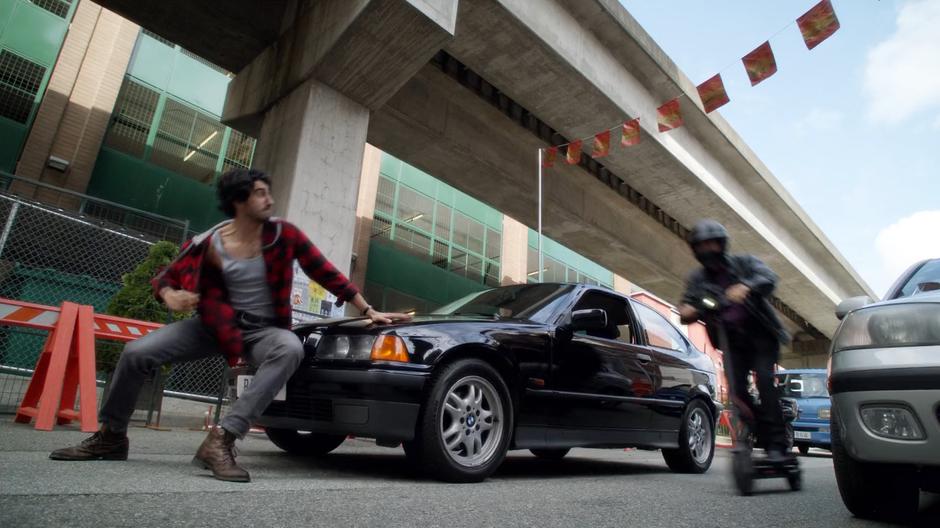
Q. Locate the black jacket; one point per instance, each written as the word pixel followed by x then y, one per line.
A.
pixel 749 271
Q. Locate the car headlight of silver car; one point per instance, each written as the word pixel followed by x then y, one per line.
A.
pixel 353 347
pixel 913 324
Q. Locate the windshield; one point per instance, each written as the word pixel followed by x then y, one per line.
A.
pixel 925 279
pixel 521 301
pixel 802 385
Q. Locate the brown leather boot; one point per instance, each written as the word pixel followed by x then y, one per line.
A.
pixel 103 445
pixel 217 454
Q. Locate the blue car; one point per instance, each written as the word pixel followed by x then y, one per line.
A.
pixel 808 388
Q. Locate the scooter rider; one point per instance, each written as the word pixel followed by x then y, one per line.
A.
pixel 743 285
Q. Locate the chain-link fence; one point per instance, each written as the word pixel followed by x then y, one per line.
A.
pixel 56 245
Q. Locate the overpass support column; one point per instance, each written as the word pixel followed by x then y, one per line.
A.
pixel 312 144
pixel 308 97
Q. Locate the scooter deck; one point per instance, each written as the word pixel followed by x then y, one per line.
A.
pixel 764 469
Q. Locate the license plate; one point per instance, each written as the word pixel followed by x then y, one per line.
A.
pixel 802 435
pixel 243 381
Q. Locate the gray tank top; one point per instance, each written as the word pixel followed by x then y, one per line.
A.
pixel 246 280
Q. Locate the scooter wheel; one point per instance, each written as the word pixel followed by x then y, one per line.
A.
pixel 795 479
pixel 743 469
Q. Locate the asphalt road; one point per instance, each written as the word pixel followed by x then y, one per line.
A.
pixel 361 484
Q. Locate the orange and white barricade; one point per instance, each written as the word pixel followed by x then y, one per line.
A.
pixel 65 370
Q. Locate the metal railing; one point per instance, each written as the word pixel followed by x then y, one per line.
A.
pixel 57 245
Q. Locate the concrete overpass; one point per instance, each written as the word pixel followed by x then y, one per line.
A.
pixel 468 90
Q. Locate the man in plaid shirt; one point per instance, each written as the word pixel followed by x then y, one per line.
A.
pixel 238 277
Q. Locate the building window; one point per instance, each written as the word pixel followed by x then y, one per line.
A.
pixel 554 270
pixel 132 117
pixel 238 154
pixel 385 197
pixel 415 209
pixel 435 232
pixel 59 8
pixel 187 141
pixel 20 80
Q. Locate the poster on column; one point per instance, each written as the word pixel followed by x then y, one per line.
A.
pixel 310 301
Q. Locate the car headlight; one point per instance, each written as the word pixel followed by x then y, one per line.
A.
pixel 913 324
pixel 824 414
pixel 891 421
pixel 351 347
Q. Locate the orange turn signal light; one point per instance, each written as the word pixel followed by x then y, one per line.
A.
pixel 389 348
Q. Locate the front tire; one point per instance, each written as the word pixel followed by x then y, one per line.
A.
pixel 696 441
pixel 465 424
pixel 304 443
pixel 872 491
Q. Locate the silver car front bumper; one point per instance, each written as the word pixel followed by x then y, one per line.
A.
pixel 864 445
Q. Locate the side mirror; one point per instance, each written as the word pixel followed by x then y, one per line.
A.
pixel 595 319
pixel 852 303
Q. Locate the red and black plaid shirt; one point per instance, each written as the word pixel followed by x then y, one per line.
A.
pixel 282 242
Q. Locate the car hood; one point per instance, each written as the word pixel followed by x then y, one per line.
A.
pixel 361 324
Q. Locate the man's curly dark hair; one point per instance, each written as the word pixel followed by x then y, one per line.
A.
pixel 235 186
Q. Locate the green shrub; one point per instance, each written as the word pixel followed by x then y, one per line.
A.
pixel 135 300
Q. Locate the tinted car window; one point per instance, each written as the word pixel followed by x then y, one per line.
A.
pixel 659 331
pixel 522 301
pixel 619 325
pixel 927 278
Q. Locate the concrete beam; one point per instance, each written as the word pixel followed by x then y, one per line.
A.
pixel 229 33
pixel 364 49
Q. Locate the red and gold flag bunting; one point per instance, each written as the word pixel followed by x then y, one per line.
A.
pixel 548 159
pixel 601 144
pixel 818 24
pixel 574 152
pixel 760 63
pixel 631 133
pixel 713 94
pixel 669 116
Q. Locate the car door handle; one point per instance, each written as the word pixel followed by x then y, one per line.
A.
pixel 644 358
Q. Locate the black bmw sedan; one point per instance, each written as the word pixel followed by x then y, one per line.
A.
pixel 543 367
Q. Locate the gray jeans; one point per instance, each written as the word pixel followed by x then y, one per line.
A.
pixel 275 352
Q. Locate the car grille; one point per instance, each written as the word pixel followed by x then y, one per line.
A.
pixel 300 405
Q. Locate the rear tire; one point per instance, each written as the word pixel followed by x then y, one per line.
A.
pixel 550 454
pixel 696 441
pixel 804 449
pixel 872 491
pixel 466 423
pixel 304 443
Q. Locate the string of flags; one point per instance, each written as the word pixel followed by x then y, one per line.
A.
pixel 816 25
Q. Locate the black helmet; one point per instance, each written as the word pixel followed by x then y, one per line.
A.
pixel 708 230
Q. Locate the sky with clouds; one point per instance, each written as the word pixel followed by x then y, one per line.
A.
pixel 851 128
